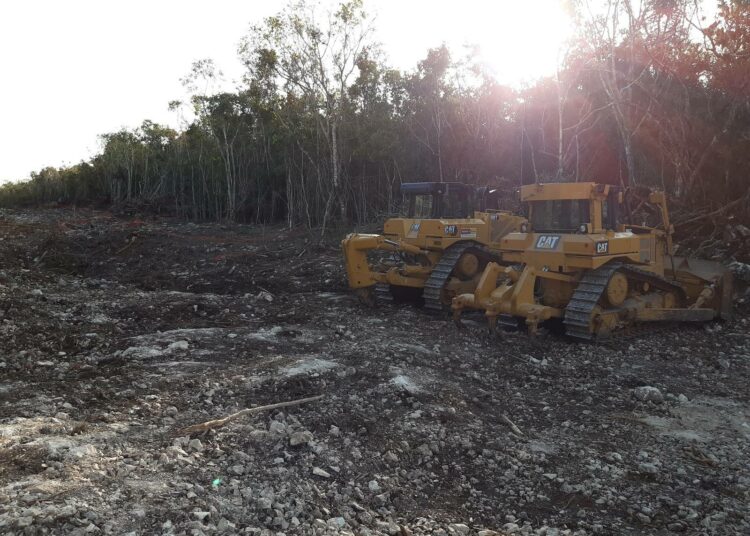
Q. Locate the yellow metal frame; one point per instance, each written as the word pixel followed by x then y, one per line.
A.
pixel 425 239
pixel 514 295
pixel 563 258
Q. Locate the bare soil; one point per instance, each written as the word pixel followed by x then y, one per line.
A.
pixel 116 334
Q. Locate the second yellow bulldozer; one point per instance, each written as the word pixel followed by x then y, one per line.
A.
pixel 577 263
pixel 438 250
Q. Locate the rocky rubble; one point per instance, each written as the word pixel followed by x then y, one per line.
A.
pixel 112 345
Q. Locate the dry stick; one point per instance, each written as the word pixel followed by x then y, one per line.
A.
pixel 715 212
pixel 40 257
pixel 218 423
pixel 125 247
pixel 515 429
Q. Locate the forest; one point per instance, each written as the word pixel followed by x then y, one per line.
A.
pixel 323 130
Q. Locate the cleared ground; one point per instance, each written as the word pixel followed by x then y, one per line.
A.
pixel 115 334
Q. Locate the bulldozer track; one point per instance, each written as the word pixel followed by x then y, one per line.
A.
pixel 383 294
pixel 589 291
pixel 578 312
pixel 441 273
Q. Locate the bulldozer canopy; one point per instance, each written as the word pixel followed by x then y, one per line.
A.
pixel 566 190
pixel 439 188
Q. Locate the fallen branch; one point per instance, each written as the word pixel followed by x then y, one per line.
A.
pixel 699 456
pixel 132 241
pixel 515 429
pixel 218 423
pixel 40 257
pixel 717 212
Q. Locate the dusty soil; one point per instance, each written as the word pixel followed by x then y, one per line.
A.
pixel 116 334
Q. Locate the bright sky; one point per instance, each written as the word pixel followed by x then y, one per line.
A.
pixel 74 69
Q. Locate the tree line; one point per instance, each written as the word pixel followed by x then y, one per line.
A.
pixel 323 130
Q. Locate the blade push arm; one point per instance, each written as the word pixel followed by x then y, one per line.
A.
pixel 355 248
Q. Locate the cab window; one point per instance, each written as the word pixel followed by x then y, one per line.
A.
pixel 421 206
pixel 560 215
pixel 454 206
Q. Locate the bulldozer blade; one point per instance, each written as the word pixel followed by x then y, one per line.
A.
pixel 675 315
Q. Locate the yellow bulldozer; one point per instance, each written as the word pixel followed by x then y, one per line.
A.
pixel 438 250
pixel 576 263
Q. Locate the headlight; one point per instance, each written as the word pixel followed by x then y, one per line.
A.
pixel 524 227
pixel 583 228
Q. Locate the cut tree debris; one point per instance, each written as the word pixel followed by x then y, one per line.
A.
pixel 218 423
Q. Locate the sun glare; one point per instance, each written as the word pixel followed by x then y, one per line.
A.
pixel 521 41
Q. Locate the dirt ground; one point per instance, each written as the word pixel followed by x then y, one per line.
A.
pixel 116 334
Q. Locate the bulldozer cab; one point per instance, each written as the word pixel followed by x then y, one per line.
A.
pixel 437 200
pixel 450 200
pixel 572 207
pixel 574 262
